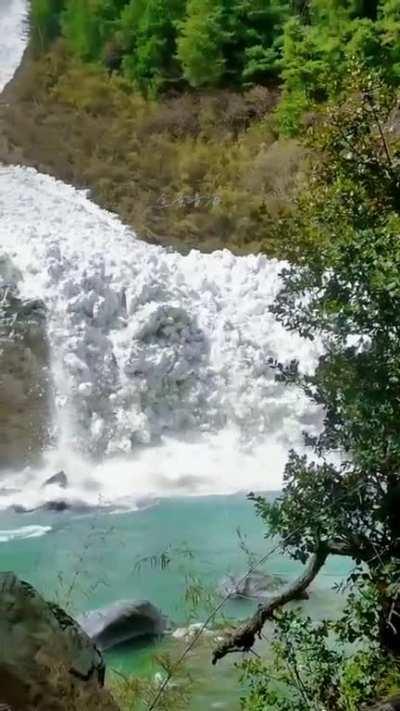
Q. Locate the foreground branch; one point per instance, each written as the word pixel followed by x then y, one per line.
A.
pixel 243 638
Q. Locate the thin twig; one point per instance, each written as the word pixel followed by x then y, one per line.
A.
pixel 209 619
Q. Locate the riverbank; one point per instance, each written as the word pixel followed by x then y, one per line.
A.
pixel 199 170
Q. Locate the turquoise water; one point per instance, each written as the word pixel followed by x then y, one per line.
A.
pixel 93 559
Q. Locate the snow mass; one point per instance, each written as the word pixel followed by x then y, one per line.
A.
pixel 159 361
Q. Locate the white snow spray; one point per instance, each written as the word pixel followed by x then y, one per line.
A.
pixel 160 361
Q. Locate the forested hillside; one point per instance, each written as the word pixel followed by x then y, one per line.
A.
pixel 184 117
pixel 306 46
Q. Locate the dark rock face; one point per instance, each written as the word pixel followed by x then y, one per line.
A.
pixel 123 621
pixel 55 506
pixel 47 662
pixel 59 505
pixel 60 479
pixel 24 374
pixel 256 586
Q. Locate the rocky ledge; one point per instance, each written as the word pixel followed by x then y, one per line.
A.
pixel 47 661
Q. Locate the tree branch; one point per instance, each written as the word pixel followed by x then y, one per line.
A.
pixel 243 638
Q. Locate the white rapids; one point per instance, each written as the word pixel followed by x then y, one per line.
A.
pixel 23 533
pixel 159 361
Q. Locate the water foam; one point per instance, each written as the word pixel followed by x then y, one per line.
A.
pixel 23 533
pixel 160 361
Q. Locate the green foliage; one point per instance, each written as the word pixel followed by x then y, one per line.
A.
pixel 88 25
pixel 200 45
pixel 318 666
pixel 80 29
pixel 231 41
pixel 262 32
pixel 133 693
pixel 311 669
pixel 163 560
pixel 159 43
pixel 45 21
pixel 346 288
pixel 301 675
pixel 150 29
pixel 320 46
pixel 163 44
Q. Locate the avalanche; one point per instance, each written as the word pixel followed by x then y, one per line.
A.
pixel 159 361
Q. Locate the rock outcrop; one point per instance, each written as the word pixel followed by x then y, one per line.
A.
pixel 256 585
pixel 60 479
pixel 24 374
pixel 47 662
pixel 123 621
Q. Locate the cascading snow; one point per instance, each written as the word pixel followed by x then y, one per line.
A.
pixel 155 355
pixel 159 361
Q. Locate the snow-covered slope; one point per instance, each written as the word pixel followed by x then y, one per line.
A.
pixel 160 362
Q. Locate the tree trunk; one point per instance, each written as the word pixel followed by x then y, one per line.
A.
pixel 389 625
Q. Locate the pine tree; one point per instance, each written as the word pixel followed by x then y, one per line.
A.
pixel 80 29
pixel 200 45
pixel 45 18
pixel 149 33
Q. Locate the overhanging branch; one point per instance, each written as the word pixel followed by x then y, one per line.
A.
pixel 243 638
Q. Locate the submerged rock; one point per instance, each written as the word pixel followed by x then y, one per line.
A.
pixel 123 621
pixel 60 479
pixel 24 374
pixel 18 509
pixel 47 662
pixel 55 506
pixel 255 585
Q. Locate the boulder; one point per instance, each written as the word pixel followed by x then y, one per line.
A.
pixel 53 506
pixel 256 586
pixel 57 506
pixel 60 479
pixel 123 621
pixel 47 662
